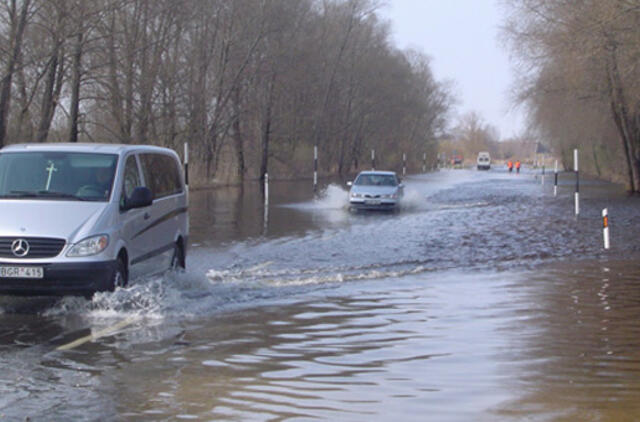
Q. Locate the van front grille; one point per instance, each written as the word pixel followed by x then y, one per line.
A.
pixel 36 247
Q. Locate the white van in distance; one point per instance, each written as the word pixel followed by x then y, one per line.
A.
pixel 81 218
pixel 484 161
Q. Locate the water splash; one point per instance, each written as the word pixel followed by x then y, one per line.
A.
pixel 413 200
pixel 333 197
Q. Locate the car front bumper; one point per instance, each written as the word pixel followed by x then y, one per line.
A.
pixel 59 279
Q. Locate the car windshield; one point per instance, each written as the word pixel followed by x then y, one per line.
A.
pixel 376 180
pixel 57 175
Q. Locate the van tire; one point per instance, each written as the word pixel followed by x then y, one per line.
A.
pixel 120 276
pixel 178 260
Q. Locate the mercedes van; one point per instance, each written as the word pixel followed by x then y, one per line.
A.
pixel 484 161
pixel 81 218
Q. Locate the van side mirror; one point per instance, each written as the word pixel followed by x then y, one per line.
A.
pixel 140 197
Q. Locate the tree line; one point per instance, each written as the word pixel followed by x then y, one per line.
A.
pixel 580 79
pixel 252 85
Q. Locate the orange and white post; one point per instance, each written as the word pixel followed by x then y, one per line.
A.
pixel 605 227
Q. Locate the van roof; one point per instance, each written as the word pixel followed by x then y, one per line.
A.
pixel 79 147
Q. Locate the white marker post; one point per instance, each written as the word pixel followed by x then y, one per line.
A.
pixel 315 168
pixel 605 227
pixel 404 164
pixel 555 179
pixel 373 159
pixel 265 219
pixel 186 164
pixel 266 190
pixel 575 168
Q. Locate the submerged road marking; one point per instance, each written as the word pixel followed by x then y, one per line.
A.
pixel 98 334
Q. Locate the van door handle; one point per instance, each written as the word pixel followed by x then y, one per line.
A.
pixel 146 216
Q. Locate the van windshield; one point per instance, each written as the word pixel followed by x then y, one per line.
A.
pixel 57 175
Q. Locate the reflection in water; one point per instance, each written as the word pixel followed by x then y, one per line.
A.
pixel 575 343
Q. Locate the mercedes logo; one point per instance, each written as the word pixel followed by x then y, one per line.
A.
pixel 20 248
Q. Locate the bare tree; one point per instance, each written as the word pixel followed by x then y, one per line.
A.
pixel 17 24
pixel 252 85
pixel 588 52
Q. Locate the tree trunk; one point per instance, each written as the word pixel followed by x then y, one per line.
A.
pixel 75 89
pixel 237 137
pixel 53 86
pixel 266 129
pixel 266 132
pixel 24 116
pixel 595 160
pixel 17 32
pixel 629 136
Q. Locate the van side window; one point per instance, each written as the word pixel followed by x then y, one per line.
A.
pixel 161 174
pixel 131 178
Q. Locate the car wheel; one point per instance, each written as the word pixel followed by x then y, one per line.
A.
pixel 178 260
pixel 120 276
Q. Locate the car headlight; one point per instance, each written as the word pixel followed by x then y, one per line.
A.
pixel 390 196
pixel 89 246
pixel 356 195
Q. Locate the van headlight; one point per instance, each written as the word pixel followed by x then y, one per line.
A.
pixel 89 246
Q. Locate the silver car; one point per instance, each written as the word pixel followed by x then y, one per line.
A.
pixel 83 218
pixel 375 190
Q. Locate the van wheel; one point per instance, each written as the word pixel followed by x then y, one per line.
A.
pixel 120 275
pixel 178 259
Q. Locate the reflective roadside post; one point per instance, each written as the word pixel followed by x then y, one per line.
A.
pixel 373 159
pixel 555 179
pixel 404 164
pixel 186 165
pixel 266 190
pixel 315 168
pixel 605 227
pixel 577 193
pixel 424 162
pixel 265 219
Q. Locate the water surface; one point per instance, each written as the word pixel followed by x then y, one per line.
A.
pixel 485 298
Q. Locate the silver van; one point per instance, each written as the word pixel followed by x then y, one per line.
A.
pixel 81 218
pixel 484 161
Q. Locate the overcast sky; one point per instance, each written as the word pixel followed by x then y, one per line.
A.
pixel 461 37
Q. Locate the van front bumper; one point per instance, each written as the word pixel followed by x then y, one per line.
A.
pixel 60 279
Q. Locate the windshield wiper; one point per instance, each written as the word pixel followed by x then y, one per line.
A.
pixel 42 194
pixel 20 194
pixel 54 194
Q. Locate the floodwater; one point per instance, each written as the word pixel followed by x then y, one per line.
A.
pixel 483 299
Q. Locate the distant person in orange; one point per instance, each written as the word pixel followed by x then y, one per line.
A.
pixel 518 166
pixel 510 166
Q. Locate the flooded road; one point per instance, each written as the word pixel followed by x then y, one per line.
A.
pixel 484 298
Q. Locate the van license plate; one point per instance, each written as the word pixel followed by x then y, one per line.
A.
pixel 21 272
